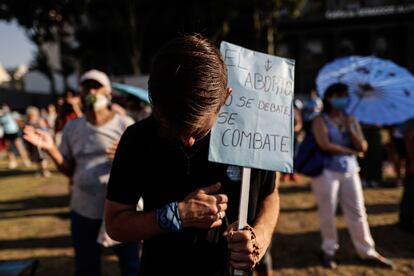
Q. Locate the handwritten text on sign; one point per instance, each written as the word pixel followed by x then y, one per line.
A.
pixel 255 126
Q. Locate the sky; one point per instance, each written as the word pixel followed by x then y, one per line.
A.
pixel 15 47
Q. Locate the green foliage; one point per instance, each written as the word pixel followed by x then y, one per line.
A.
pixel 120 37
pixel 280 8
pixel 268 13
pixel 46 21
pixel 40 17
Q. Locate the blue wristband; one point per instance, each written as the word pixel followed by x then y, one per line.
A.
pixel 168 217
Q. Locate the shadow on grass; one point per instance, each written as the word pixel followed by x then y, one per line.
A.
pixel 46 242
pixel 294 188
pixel 61 215
pixel 32 243
pixel 56 265
pixel 382 208
pixel 302 250
pixel 371 209
pixel 298 209
pixel 38 202
pixel 16 172
pixel 64 266
pixel 35 207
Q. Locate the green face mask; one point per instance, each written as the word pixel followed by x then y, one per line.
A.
pixel 90 100
pixel 97 102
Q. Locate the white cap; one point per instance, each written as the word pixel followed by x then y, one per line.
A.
pixel 98 76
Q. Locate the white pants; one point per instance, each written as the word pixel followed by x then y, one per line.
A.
pixel 329 189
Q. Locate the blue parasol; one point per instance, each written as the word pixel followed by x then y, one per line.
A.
pixel 381 92
pixel 132 90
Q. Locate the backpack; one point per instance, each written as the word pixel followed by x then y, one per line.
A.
pixel 309 159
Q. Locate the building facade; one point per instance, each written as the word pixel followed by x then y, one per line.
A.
pixel 382 28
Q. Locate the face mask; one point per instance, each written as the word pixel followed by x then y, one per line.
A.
pixel 97 102
pixel 340 102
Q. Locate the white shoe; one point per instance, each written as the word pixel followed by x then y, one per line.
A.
pixel 27 163
pixel 12 165
pixel 46 174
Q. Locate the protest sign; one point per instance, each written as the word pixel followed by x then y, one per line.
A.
pixel 254 128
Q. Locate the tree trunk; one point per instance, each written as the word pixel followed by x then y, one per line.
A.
pixel 52 86
pixel 270 40
pixel 258 29
pixel 65 82
pixel 135 58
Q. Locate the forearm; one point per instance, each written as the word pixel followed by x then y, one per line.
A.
pixel 322 139
pixel 337 149
pixel 267 217
pixel 200 209
pixel 77 111
pixel 63 166
pixel 131 225
pixel 298 127
pixel 358 141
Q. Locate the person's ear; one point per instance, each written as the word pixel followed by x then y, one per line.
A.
pixel 229 91
pixel 189 142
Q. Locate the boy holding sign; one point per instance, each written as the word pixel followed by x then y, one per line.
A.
pixel 191 204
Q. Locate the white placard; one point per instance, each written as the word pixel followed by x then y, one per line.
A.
pixel 254 129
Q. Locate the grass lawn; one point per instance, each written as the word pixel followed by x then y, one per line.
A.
pixel 297 240
pixel 34 223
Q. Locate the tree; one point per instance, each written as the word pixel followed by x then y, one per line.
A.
pixel 267 14
pixel 120 37
pixel 41 64
pixel 46 21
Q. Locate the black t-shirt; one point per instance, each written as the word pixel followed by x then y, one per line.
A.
pixel 161 171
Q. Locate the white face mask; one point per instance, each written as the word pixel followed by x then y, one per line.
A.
pixel 101 102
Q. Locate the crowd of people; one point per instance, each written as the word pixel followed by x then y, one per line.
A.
pixel 51 119
pixel 189 218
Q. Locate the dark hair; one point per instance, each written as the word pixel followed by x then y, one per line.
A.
pixel 187 83
pixel 71 91
pixel 333 90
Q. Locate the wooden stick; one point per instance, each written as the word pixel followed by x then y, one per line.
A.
pixel 244 205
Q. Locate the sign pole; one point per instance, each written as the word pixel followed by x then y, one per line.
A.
pixel 244 205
